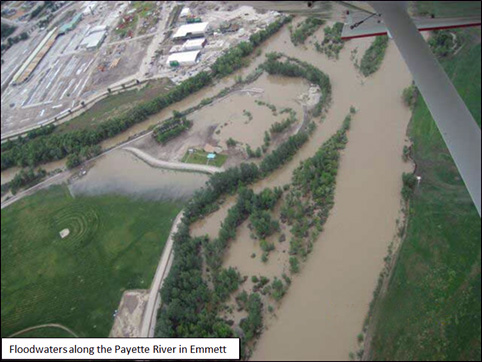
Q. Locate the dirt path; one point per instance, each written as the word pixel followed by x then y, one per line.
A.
pixel 153 303
pixel 154 162
pixel 50 325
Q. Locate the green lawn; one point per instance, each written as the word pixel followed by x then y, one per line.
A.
pixel 200 157
pixel 114 244
pixel 432 310
pixel 116 104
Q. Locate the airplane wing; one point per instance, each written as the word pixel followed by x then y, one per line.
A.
pixel 455 122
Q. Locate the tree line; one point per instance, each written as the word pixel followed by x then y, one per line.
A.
pixel 373 57
pixel 293 67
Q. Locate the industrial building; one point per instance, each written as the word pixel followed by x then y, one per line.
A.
pixel 70 25
pixel 93 40
pixel 195 30
pixel 185 58
pixel 194 44
pixel 34 59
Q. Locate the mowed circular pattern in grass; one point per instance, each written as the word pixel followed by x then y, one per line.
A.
pixel 80 219
pixel 114 244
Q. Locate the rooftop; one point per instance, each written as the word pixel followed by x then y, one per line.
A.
pixel 196 28
pixel 185 57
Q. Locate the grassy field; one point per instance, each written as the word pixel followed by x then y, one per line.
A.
pixel 116 104
pixel 114 244
pixel 432 309
pixel 200 158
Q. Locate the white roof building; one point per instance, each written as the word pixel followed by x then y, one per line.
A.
pixel 93 40
pixel 194 44
pixel 191 30
pixel 185 58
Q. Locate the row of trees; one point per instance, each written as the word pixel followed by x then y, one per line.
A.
pixel 293 67
pixel 373 57
pixel 42 131
pixel 171 128
pixel 26 178
pixel 305 29
pixel 56 146
pixel 235 58
pixel 279 127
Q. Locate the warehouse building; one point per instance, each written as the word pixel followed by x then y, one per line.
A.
pixel 188 31
pixel 185 58
pixel 194 44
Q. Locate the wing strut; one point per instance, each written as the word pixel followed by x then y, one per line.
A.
pixel 455 122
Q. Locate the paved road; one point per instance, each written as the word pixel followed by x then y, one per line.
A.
pixel 150 314
pixel 152 161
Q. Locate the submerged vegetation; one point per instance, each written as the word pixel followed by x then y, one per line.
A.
pixel 332 43
pixel 373 57
pixel 305 28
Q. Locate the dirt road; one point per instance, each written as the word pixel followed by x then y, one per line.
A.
pixel 154 162
pixel 150 314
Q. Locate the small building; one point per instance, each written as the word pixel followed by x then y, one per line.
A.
pixel 194 44
pixel 188 31
pixel 92 41
pixel 185 12
pixel 184 58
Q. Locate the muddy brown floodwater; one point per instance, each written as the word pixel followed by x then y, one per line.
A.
pixel 324 309
pixel 122 173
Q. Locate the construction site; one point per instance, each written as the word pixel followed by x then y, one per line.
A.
pixel 92 46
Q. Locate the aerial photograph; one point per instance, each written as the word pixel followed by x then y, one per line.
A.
pixel 301 176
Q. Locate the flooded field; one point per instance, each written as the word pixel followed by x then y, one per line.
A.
pixel 123 173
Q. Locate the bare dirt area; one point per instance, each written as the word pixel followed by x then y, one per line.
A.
pixel 117 62
pixel 127 322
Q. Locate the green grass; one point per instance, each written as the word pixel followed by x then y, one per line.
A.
pixel 46 332
pixel 446 8
pixel 432 309
pixel 114 244
pixel 199 157
pixel 116 104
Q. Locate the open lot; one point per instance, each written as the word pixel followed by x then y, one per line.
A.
pixel 114 244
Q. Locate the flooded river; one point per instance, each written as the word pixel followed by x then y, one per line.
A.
pixel 324 309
